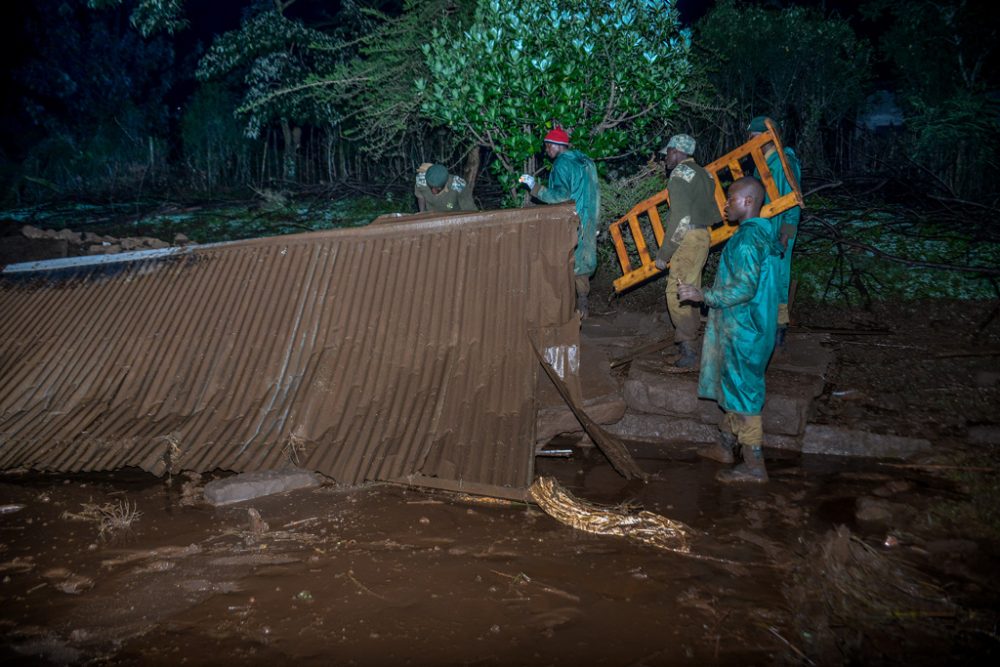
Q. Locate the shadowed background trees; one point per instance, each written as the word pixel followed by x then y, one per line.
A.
pixel 115 97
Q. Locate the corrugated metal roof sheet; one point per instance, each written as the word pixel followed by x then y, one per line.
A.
pixel 394 351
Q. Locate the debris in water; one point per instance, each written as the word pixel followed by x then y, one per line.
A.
pixel 647 527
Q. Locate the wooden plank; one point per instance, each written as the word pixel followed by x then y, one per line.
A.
pixel 616 238
pixel 735 169
pixel 654 220
pixel 640 240
pixel 770 187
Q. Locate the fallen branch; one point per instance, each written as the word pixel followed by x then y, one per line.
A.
pixel 522 578
pixel 835 184
pixel 798 652
pixel 648 348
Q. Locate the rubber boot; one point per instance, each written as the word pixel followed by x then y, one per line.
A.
pixel 688 358
pixel 721 451
pixel 751 471
pixel 582 306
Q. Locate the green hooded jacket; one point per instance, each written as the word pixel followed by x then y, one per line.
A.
pixel 574 177
pixel 739 337
pixel 787 222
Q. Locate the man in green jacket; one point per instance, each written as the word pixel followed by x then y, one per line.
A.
pixel 785 225
pixel 438 191
pixel 573 177
pixel 739 337
pixel 686 239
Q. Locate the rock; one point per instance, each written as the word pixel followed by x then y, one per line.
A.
pixel 652 388
pixel 249 485
pixel 105 249
pixel 129 244
pixel 984 435
pixel 821 439
pixel 872 510
pixel 91 237
pixel 31 232
pixel 181 239
pixel 154 243
pixel 69 236
pixel 635 426
pixel 74 584
pixel 892 488
pixel 655 392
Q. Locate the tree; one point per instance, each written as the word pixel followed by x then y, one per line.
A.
pixel 944 57
pixel 97 92
pixel 602 69
pixel 150 16
pixel 277 57
pixel 378 89
pixel 806 70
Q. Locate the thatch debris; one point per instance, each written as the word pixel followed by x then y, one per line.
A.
pixel 647 527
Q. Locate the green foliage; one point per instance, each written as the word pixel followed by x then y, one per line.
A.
pixel 95 90
pixel 378 85
pixel 944 54
pixel 602 69
pixel 277 56
pixel 806 70
pixel 618 196
pixel 212 144
pixel 151 16
pixel 828 271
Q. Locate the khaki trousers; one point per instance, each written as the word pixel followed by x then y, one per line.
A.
pixel 748 429
pixel 783 315
pixel 582 284
pixel 686 265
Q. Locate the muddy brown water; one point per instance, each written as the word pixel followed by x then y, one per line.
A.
pixel 384 574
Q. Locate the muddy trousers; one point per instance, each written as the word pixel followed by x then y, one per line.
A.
pixel 582 284
pixel 748 429
pixel 686 265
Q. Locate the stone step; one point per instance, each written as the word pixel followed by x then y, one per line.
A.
pixel 653 387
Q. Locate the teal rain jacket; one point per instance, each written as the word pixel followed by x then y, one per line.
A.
pixel 789 217
pixel 574 176
pixel 739 337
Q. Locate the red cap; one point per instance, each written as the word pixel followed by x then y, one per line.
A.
pixel 557 136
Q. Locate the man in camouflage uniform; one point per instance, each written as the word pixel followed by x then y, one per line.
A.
pixel 438 191
pixel 686 239
pixel 786 225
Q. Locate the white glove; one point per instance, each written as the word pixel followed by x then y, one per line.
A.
pixel 528 180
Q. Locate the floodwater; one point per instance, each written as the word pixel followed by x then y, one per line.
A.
pixel 384 574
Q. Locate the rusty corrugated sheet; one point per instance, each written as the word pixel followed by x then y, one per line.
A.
pixel 396 351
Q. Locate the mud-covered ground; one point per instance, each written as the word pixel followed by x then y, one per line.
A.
pixel 389 575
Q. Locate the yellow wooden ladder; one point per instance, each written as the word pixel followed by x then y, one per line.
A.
pixel 726 166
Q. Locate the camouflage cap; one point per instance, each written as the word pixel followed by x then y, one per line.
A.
pixel 437 176
pixel 758 124
pixel 683 142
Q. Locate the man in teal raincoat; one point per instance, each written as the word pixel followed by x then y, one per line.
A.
pixel 573 177
pixel 786 224
pixel 739 338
